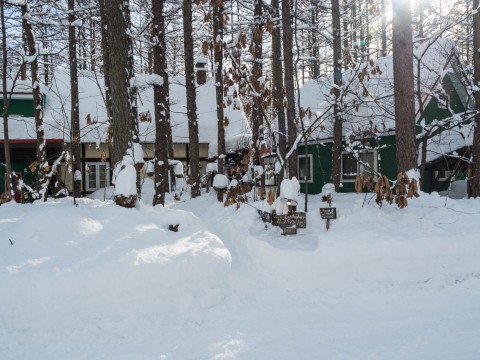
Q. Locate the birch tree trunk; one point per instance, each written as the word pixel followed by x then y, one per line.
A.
pixel 6 142
pixel 42 164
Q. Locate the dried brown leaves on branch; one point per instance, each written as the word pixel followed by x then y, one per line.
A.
pixel 271 197
pixel 233 198
pixel 362 182
pixel 383 191
pixel 404 188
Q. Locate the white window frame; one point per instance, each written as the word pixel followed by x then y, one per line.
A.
pixel 97 165
pixel 310 163
pixel 375 164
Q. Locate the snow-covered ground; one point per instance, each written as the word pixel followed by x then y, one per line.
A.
pixel 102 282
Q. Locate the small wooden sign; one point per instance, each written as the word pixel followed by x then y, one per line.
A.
pixel 328 213
pixel 297 219
pixel 266 216
pixel 289 230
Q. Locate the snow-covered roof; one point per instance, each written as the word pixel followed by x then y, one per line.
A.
pixel 368 90
pixel 57 110
pixel 232 144
pixel 448 142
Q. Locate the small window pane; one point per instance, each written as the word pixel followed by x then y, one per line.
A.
pixel 103 175
pixel 302 168
pixel 92 176
pixel 367 163
pixel 349 167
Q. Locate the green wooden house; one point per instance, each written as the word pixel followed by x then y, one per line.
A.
pixel 22 140
pixel 369 120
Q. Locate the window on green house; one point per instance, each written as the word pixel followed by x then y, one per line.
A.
pixel 98 175
pixel 303 162
pixel 365 163
pixel 444 175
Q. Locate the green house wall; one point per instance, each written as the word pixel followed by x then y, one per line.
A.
pixel 321 151
pixel 27 177
pixel 23 107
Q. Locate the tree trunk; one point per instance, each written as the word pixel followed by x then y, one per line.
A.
pixel 315 49
pixel 106 64
pixel 193 146
pixel 42 162
pixel 257 73
pixel 119 82
pixel 75 115
pixel 278 108
pixel 346 49
pixel 475 178
pixel 403 86
pixel 162 107
pixel 6 142
pixel 289 85
pixel 218 59
pixel 337 116
pixel 384 27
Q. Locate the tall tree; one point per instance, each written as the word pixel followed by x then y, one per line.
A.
pixel 277 72
pixel 218 24
pixel 337 76
pixel 193 148
pixel 119 81
pixel 6 142
pixel 289 84
pixel 75 114
pixel 403 86
pixel 257 72
pixel 475 172
pixel 29 41
pixel 162 108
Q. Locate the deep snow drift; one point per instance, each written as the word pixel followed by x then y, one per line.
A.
pixel 101 282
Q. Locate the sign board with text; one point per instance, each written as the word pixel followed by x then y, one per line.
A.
pixel 328 213
pixel 297 219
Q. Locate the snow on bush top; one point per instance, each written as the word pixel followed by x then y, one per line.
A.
pixel 220 181
pixel 289 189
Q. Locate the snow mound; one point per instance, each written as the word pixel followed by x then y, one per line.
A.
pixel 98 260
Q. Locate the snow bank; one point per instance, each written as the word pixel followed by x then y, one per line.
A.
pixel 102 282
pixel 69 265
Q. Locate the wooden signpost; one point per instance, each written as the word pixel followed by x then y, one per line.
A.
pixel 328 214
pixel 297 219
pixel 289 230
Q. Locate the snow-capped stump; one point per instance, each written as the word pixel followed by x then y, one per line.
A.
pixel 287 202
pixel 285 214
pixel 220 184
pixel 150 168
pixel 138 156
pixel 125 178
